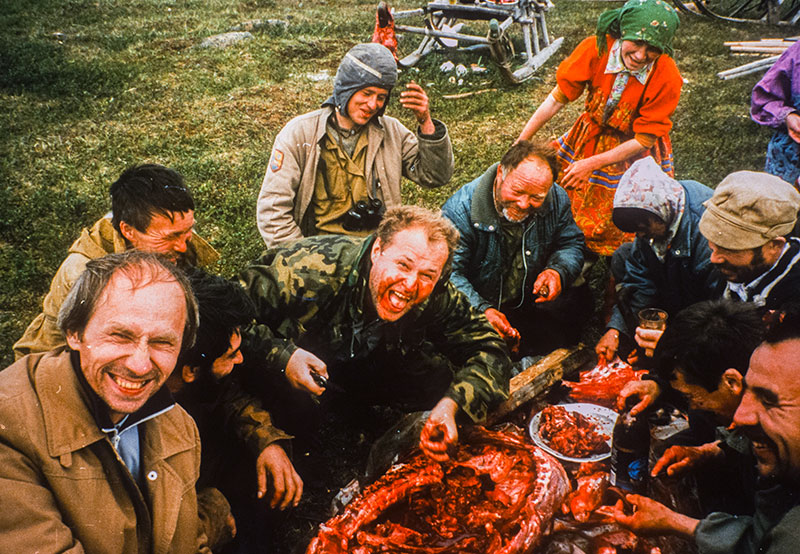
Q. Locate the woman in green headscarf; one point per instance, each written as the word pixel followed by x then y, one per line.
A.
pixel 633 89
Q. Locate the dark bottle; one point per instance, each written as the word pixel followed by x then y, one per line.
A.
pixel 630 447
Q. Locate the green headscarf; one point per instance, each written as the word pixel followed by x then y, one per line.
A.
pixel 653 21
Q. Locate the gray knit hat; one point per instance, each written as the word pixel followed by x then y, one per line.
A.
pixel 365 65
pixel 749 209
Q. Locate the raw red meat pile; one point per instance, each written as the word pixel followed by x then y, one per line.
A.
pixel 603 383
pixel 571 433
pixel 591 483
pixel 592 529
pixel 497 495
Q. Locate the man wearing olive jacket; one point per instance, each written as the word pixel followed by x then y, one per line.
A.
pixel 376 318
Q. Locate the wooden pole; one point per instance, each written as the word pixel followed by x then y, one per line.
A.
pixel 748 68
pixel 762 42
pixel 466 94
pixel 759 49
pixel 730 76
pixel 756 64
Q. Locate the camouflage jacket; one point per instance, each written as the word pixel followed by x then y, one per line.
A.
pixel 311 293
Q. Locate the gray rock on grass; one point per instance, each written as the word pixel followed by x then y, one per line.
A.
pixel 225 39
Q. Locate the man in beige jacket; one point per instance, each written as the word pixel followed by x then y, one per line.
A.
pixel 151 210
pixel 336 169
pixel 95 456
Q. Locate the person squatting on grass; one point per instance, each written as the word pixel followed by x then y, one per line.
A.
pixel 746 223
pixel 244 454
pixel 769 416
pixel 633 87
pixel 519 251
pixel 668 265
pixel 379 319
pixel 700 365
pixel 95 456
pixel 152 210
pixel 336 169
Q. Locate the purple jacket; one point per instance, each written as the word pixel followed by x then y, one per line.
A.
pixel 775 96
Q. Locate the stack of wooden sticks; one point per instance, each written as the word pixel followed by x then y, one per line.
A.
pixel 773 46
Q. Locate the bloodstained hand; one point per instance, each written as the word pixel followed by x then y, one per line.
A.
pixel 680 458
pixel 650 516
pixel 440 434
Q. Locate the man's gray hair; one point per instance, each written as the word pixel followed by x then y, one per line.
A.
pixel 437 227
pixel 141 268
pixel 525 149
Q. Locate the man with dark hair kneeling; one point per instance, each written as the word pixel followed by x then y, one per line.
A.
pixel 703 357
pixel 234 427
pixel 152 210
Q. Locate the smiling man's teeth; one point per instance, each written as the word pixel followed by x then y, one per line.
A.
pixel 397 300
pixel 127 385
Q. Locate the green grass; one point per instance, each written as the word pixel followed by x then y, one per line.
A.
pixel 90 87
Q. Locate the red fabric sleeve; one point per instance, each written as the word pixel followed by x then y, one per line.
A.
pixel 661 96
pixel 559 96
pixel 576 71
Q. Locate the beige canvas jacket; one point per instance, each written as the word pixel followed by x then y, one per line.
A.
pixel 393 152
pixel 43 334
pixel 65 488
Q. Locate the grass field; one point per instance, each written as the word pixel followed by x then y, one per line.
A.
pixel 90 87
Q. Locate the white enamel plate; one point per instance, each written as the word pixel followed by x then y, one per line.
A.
pixel 602 416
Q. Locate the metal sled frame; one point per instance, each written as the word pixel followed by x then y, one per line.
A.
pixel 440 15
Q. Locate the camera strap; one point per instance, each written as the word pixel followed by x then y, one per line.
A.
pixel 376 184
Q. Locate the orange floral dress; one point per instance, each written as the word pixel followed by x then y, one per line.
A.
pixel 643 112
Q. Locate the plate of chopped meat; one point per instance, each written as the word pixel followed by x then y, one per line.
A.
pixel 574 432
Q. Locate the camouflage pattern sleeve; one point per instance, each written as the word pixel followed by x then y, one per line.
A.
pixel 260 343
pixel 291 283
pixel 471 343
pixel 246 417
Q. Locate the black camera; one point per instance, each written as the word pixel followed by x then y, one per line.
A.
pixel 365 215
